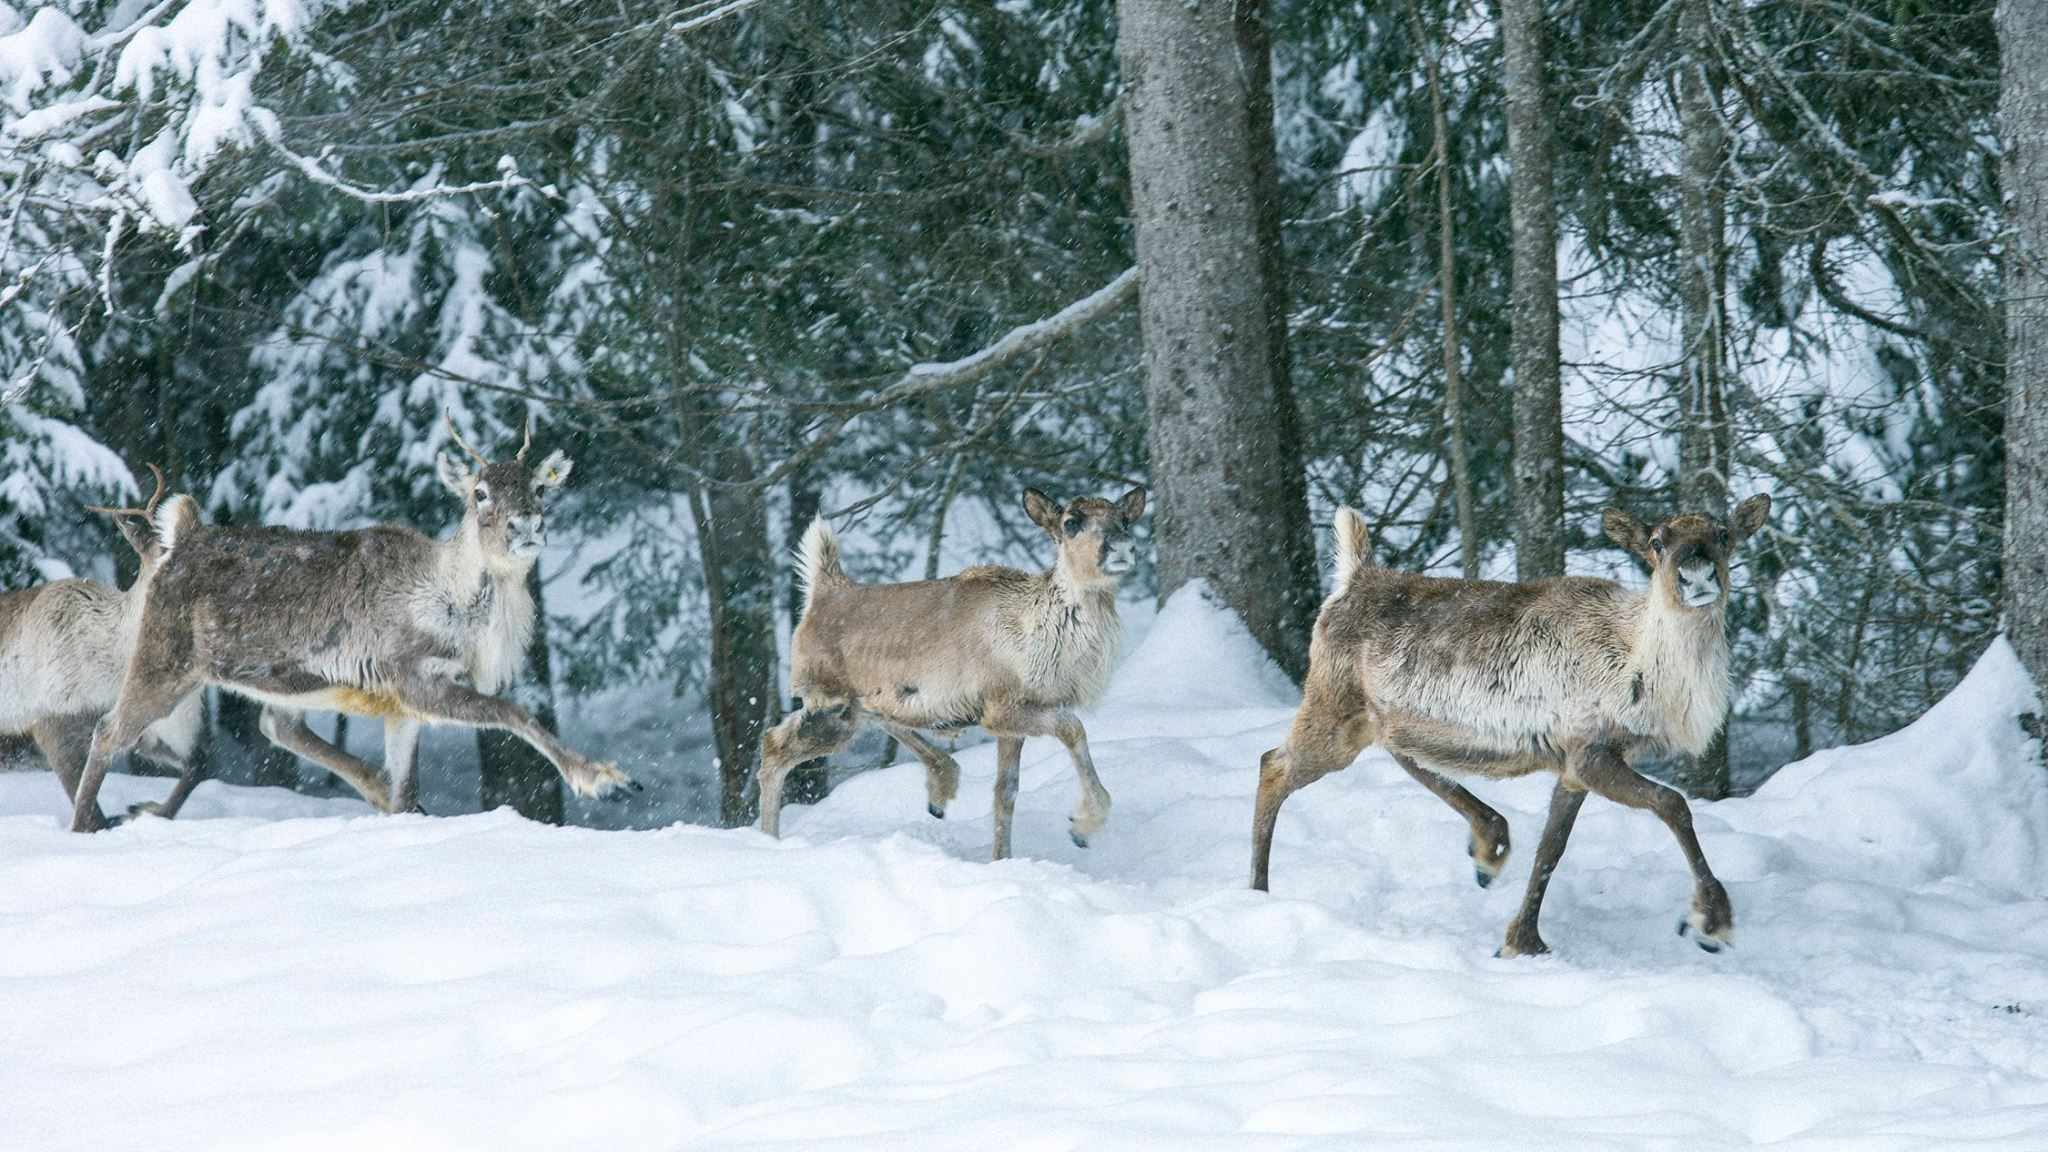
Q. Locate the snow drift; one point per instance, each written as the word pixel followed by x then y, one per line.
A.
pixel 278 972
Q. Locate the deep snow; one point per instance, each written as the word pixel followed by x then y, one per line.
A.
pixel 272 971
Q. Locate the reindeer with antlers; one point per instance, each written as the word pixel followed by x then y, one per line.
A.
pixel 64 647
pixel 381 622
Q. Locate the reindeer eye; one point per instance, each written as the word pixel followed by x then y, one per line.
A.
pixel 482 494
pixel 1657 546
pixel 1072 525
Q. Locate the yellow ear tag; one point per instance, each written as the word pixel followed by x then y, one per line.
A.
pixel 554 476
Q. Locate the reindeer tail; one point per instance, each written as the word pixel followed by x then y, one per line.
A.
pixel 817 561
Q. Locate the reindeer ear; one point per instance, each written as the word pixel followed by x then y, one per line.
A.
pixel 1627 531
pixel 1132 505
pixel 1750 516
pixel 553 471
pixel 455 475
pixel 1042 510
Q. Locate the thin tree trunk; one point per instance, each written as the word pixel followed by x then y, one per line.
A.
pixel 1232 507
pixel 1802 719
pixel 1532 214
pixel 1447 297
pixel 1703 433
pixel 511 772
pixel 732 538
pixel 2023 125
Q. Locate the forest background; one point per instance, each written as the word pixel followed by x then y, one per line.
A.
pixel 753 260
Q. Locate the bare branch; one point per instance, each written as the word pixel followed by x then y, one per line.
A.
pixel 312 170
pixel 1085 131
pixel 697 16
pixel 933 377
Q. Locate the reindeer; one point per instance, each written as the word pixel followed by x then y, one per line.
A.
pixel 380 622
pixel 1015 652
pixel 63 649
pixel 1572 676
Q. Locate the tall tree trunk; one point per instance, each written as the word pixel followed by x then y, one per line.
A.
pixel 1703 434
pixel 2023 124
pixel 511 771
pixel 739 587
pixel 1532 215
pixel 809 781
pixel 1447 300
pixel 1225 445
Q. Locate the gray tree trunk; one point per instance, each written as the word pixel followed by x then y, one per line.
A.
pixel 1230 498
pixel 739 584
pixel 1447 302
pixel 510 771
pixel 1703 433
pixel 1539 416
pixel 2023 127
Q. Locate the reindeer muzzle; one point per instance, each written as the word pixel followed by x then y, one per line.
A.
pixel 526 543
pixel 1698 588
pixel 1119 558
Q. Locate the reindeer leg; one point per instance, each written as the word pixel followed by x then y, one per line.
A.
pixel 143 703
pixel 286 728
pixel 1091 811
pixel 941 771
pixel 1522 938
pixel 1489 843
pixel 1010 723
pixel 434 694
pixel 1603 770
pixel 1009 761
pixel 401 762
pixel 1330 730
pixel 191 765
pixel 191 773
pixel 66 742
pixel 805 734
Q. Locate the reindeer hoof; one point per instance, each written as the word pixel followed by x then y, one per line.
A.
pixel 1711 942
pixel 145 808
pixel 1487 863
pixel 937 812
pixel 1520 943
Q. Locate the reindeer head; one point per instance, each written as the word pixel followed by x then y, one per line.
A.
pixel 1094 535
pixel 1688 554
pixel 504 499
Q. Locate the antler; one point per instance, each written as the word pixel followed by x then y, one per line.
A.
pixel 526 443
pixel 148 510
pixel 449 418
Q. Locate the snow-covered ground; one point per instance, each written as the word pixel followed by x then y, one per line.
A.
pixel 272 971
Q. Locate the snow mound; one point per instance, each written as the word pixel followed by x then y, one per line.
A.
pixel 1959 792
pixel 1196 655
pixel 279 972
